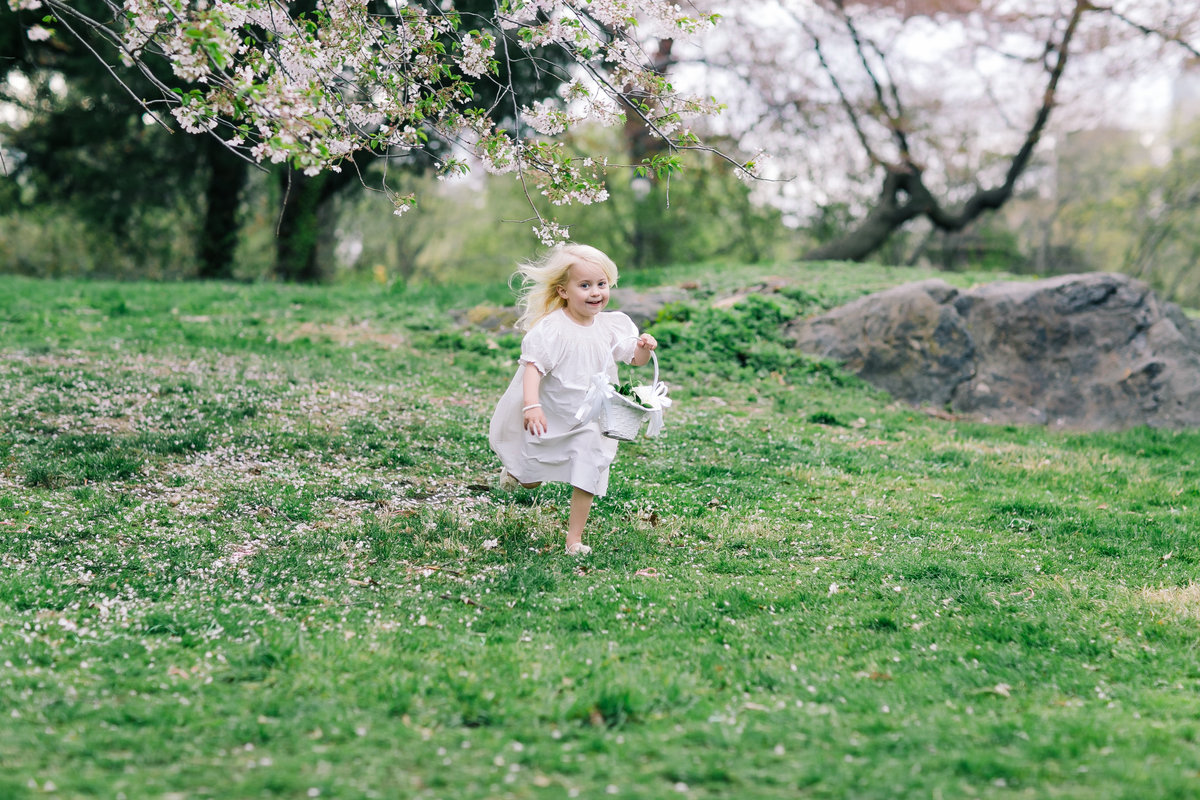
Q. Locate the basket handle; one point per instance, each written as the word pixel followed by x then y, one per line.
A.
pixel 653 358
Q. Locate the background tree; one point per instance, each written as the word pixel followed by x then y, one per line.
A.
pixel 1164 220
pixel 89 146
pixel 1129 203
pixel 321 85
pixel 83 145
pixel 927 110
pixel 307 202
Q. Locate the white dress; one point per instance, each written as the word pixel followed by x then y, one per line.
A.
pixel 568 355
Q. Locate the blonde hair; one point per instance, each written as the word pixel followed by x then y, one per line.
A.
pixel 538 295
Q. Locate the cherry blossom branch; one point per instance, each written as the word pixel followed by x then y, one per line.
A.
pixel 312 90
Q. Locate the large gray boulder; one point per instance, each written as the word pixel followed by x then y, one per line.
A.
pixel 1094 352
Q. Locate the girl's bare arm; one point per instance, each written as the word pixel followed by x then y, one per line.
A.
pixel 641 353
pixel 534 417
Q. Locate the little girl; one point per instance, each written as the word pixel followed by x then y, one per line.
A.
pixel 569 339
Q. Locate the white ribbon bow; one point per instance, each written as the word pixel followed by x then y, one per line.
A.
pixel 599 390
pixel 656 398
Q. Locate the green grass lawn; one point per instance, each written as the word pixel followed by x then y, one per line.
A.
pixel 249 547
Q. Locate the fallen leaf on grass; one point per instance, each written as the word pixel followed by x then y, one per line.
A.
pixel 649 516
pixel 648 572
pixel 465 600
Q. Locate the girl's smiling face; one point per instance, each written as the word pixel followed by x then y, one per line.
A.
pixel 586 292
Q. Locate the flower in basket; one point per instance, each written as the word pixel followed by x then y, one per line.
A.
pixel 652 396
pixel 634 393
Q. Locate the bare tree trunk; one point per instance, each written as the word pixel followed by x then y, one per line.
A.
pixel 888 215
pixel 219 232
pixel 299 229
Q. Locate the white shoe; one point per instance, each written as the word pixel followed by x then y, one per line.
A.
pixel 578 549
pixel 506 482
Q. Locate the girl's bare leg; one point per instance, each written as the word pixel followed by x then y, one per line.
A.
pixel 581 506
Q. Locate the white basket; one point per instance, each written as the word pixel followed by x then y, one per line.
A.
pixel 621 418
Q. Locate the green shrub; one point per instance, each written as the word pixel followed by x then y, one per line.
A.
pixel 748 335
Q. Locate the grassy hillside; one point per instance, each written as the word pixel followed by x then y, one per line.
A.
pixel 249 547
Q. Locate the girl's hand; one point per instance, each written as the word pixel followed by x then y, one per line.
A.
pixel 647 342
pixel 535 421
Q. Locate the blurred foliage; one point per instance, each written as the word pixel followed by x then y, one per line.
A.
pixel 1159 206
pixel 703 213
pixel 476 228
pixel 1122 204
pixel 90 166
pixel 988 244
pixel 95 186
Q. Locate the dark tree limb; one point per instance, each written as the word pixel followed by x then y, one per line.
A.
pixel 844 99
pixel 219 236
pixel 1150 31
pixel 905 197
pixel 299 227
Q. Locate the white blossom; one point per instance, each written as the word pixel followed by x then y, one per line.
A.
pixel 314 95
pixel 550 233
pixel 477 54
pixel 545 118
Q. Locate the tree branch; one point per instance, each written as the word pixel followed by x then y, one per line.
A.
pixel 904 195
pixel 843 98
pixel 892 115
pixel 1149 31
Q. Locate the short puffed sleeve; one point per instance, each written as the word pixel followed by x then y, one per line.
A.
pixel 538 348
pixel 624 336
